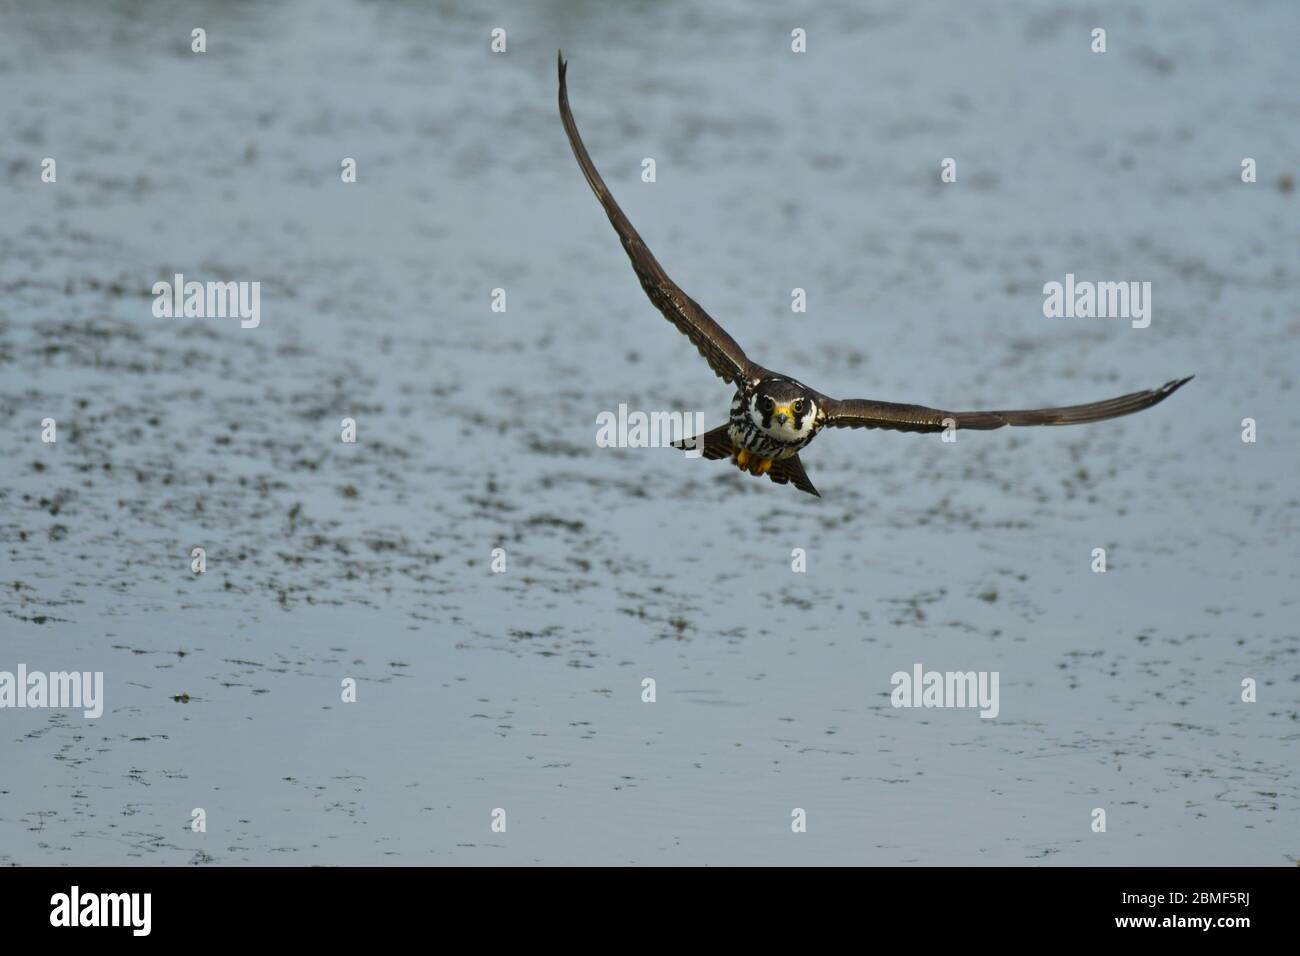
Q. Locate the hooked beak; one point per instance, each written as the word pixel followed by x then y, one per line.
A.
pixel 782 414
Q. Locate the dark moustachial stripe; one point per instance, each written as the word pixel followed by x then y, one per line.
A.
pixel 751 438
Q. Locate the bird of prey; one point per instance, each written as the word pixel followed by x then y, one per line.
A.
pixel 773 416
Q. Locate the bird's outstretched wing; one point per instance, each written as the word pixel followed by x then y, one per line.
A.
pixel 863 413
pixel 724 356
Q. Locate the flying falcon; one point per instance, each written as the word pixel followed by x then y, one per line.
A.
pixel 773 416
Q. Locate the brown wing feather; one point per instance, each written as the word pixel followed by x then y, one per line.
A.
pixel 715 444
pixel 861 413
pixel 791 470
pixel 719 349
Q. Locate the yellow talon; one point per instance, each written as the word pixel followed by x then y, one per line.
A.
pixel 748 461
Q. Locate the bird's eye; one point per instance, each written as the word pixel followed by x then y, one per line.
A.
pixel 767 403
pixel 798 406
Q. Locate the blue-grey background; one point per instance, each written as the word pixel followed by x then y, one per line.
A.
pixel 477 430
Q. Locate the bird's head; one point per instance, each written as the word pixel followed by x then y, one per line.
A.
pixel 782 408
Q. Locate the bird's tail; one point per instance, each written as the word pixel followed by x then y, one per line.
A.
pixel 718 444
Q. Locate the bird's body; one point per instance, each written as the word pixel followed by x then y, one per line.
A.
pixel 780 431
pixel 774 417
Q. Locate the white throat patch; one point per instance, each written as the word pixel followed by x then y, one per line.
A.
pixel 785 432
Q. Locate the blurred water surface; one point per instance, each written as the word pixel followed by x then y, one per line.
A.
pixel 477 430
